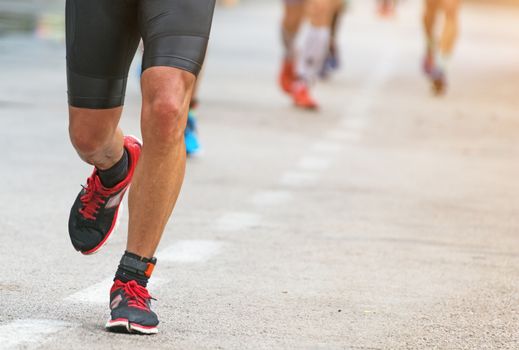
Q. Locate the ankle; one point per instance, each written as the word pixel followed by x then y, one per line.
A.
pixel 116 173
pixel 133 267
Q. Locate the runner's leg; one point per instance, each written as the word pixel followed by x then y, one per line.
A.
pixel 429 21
pixel 292 17
pixel 332 61
pixel 439 73
pixel 174 50
pixel 313 52
pixel 317 40
pixel 166 95
pixel 175 36
pixel 98 59
pixel 450 28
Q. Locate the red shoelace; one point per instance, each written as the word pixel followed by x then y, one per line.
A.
pixel 94 196
pixel 138 295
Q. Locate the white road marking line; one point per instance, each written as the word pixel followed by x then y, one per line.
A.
pixel 327 147
pixel 29 333
pixel 356 115
pixel 344 135
pixel 237 221
pixel 99 293
pixel 356 124
pixel 190 251
pixel 296 179
pixel 271 198
pixel 187 251
pixel 315 163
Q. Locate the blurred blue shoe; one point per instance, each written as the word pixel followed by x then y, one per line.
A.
pixel 190 135
pixel 330 64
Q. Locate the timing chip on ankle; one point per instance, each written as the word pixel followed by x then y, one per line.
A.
pixel 142 266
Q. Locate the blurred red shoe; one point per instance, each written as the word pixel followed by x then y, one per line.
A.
pixel 301 96
pixel 386 8
pixel 287 76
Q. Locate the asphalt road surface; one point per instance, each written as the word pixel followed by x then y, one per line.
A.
pixel 388 220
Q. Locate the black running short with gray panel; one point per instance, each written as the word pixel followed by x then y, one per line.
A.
pixel 103 36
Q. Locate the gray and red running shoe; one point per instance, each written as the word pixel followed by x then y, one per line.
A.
pixel 130 309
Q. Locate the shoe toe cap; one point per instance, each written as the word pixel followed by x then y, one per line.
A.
pixel 135 315
pixel 87 240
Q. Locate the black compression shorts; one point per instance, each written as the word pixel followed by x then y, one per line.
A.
pixel 103 35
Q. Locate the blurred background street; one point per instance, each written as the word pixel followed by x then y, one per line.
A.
pixel 386 220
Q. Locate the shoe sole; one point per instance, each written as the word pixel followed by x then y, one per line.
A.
pixel 439 86
pixel 306 107
pixel 122 325
pixel 115 224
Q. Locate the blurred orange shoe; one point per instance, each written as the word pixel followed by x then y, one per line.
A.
pixel 301 96
pixel 439 81
pixel 287 76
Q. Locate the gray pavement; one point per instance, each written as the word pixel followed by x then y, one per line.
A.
pixel 386 221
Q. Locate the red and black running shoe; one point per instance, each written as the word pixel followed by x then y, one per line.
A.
pixel 131 313
pixel 93 216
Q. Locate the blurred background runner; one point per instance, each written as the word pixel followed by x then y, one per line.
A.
pixel 318 52
pixel 440 39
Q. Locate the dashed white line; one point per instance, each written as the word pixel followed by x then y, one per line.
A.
pixel 356 114
pixel 296 179
pixel 271 198
pixel 236 221
pixel 29 333
pixel 343 135
pixel 356 124
pixel 190 251
pixel 327 147
pixel 315 163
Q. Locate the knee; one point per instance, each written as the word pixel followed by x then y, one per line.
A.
pixel 166 97
pixel 165 122
pixel 451 14
pixel 88 141
pixel 320 13
pixel 430 8
pixel 291 22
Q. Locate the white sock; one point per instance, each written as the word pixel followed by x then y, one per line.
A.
pixel 442 61
pixel 313 53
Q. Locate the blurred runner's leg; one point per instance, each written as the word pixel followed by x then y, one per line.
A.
pixel 386 8
pixel 438 53
pixel 332 61
pixel 429 21
pixel 191 132
pixel 316 44
pixel 292 18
